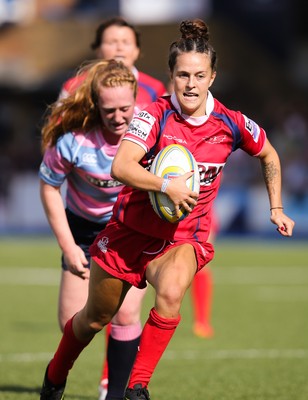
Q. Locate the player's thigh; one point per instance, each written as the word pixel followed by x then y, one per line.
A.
pixel 174 269
pixel 130 310
pixel 106 294
pixel 72 296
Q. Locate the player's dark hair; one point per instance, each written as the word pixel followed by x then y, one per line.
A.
pixel 195 36
pixel 116 21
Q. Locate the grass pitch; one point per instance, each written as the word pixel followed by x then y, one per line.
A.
pixel 260 316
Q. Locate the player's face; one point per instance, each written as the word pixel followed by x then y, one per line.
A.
pixel 119 43
pixel 192 77
pixel 116 107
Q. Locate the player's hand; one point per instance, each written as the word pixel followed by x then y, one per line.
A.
pixel 76 262
pixel 284 224
pixel 181 195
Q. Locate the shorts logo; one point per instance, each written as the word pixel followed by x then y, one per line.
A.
pixel 252 128
pixel 102 244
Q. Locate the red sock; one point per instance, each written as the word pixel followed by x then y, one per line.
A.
pixel 155 337
pixel 201 290
pixel 68 351
pixel 105 362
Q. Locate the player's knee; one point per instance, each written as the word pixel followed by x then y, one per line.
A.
pixel 98 323
pixel 171 296
pixel 126 317
pixel 94 320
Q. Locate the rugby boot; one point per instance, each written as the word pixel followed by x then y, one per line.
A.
pixel 50 391
pixel 137 393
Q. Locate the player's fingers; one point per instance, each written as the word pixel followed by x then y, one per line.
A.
pixel 85 273
pixel 177 211
pixel 188 174
pixel 84 260
pixel 82 273
pixel 284 230
pixel 195 196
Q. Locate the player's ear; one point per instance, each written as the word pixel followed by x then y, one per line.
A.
pixel 212 78
pixel 136 54
pixel 170 86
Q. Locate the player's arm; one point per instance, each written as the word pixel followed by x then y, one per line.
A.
pixel 55 212
pixel 126 169
pixel 271 168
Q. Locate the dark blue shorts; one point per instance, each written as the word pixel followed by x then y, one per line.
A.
pixel 84 233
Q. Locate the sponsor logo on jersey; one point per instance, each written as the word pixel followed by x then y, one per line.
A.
pixel 147 117
pixel 102 244
pixel 141 125
pixel 172 137
pixel 252 128
pixel 209 172
pixel 45 171
pixel 103 183
pixel 89 158
pixel 215 139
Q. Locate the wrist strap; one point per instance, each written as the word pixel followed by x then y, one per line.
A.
pixel 275 208
pixel 164 185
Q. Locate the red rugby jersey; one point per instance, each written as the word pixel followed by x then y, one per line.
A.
pixel 149 88
pixel 211 143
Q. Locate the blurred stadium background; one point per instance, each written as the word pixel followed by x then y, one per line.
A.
pixel 262 47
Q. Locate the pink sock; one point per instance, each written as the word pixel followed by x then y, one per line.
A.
pixel 126 332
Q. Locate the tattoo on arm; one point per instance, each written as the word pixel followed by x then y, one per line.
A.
pixel 271 175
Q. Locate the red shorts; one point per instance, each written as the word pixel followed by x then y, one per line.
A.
pixel 125 253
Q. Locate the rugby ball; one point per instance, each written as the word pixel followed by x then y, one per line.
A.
pixel 171 162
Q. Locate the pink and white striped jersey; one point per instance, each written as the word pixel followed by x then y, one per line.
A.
pixel 84 161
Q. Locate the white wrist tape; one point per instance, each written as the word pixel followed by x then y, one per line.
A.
pixel 164 185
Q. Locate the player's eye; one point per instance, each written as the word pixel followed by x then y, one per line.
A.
pixel 182 75
pixel 108 110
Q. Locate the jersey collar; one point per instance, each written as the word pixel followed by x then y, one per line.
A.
pixel 135 72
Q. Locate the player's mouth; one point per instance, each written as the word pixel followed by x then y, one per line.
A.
pixel 119 58
pixel 190 97
pixel 119 127
pixel 189 94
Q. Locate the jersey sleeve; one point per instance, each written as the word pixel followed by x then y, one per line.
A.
pixel 57 161
pixel 253 137
pixel 145 127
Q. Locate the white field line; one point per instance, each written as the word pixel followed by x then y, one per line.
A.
pixel 30 276
pixel 258 275
pixel 236 354
pixel 266 276
pixel 282 293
